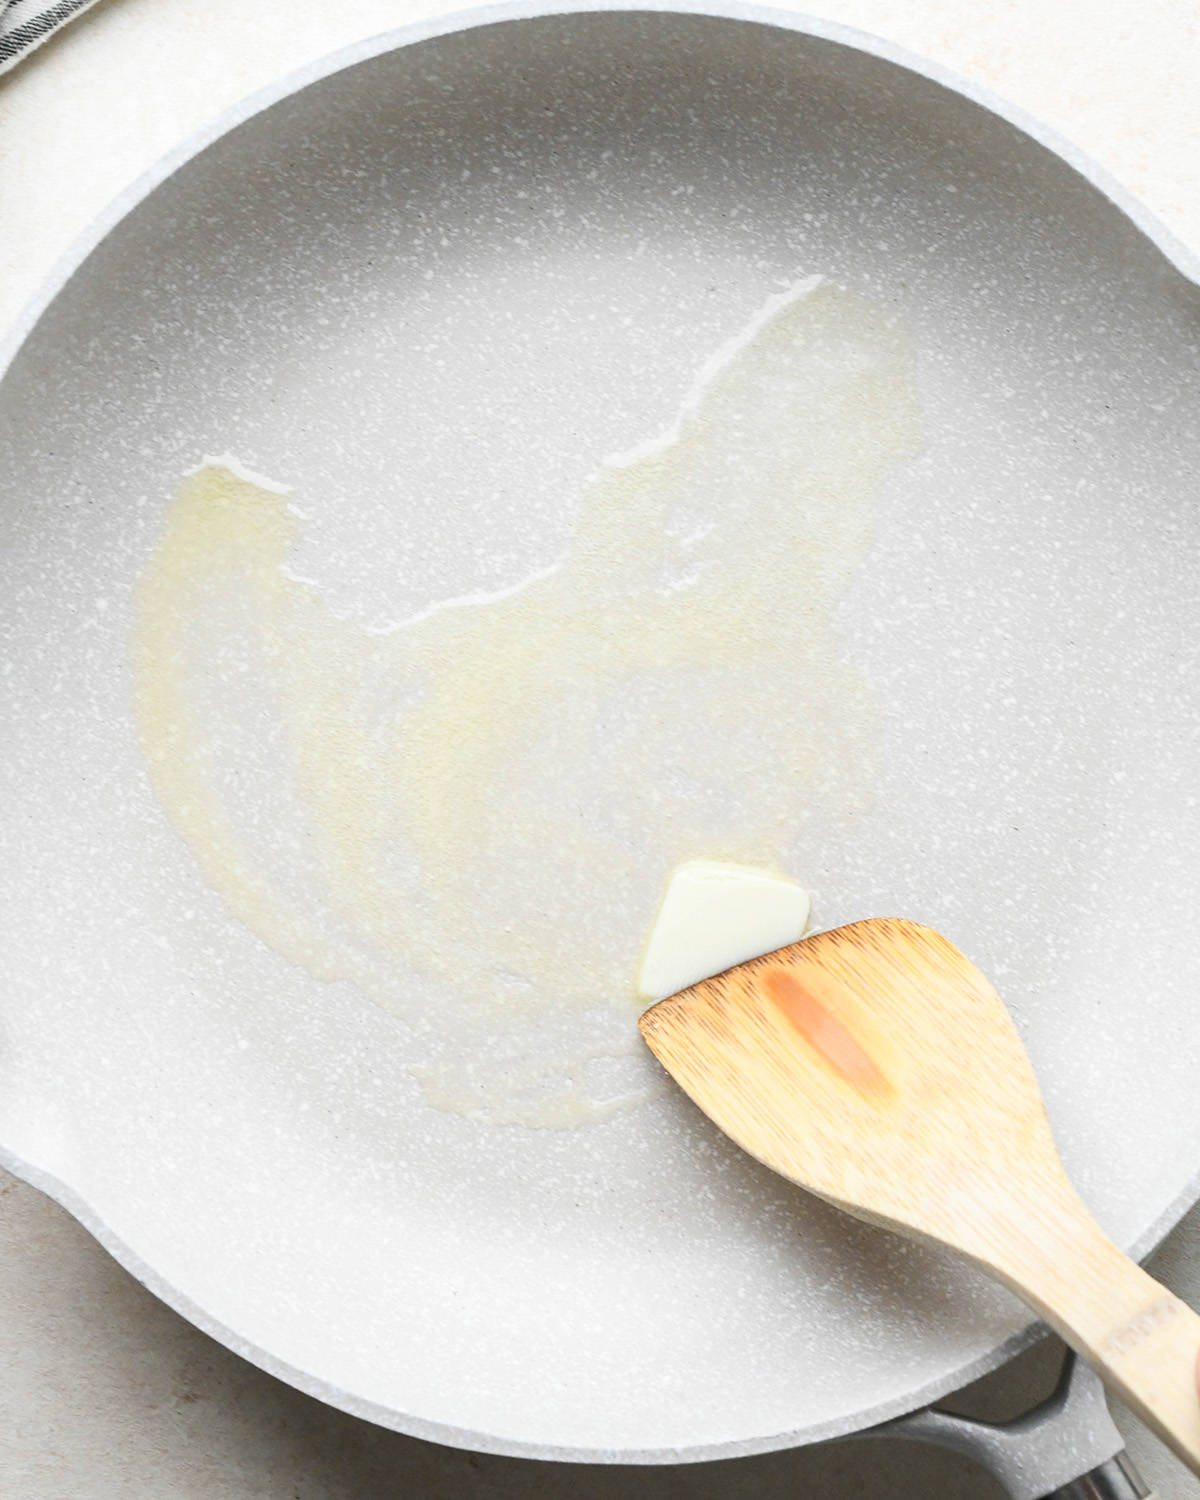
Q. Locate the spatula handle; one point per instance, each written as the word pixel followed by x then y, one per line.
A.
pixel 1139 1337
pixel 1150 1361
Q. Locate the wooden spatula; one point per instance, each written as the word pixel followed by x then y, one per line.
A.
pixel 876 1066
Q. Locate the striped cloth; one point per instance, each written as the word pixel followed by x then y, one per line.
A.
pixel 26 24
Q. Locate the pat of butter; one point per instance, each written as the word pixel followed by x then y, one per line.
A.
pixel 714 916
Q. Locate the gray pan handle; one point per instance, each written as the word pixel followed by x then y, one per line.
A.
pixel 1068 1448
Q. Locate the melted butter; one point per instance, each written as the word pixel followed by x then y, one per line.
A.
pixel 469 815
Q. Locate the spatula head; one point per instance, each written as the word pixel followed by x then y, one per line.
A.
pixel 876 1066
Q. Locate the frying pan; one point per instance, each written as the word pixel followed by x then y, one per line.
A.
pixel 429 284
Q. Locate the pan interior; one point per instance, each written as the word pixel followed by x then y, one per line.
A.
pixel 430 293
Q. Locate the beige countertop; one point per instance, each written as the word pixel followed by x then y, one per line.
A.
pixel 103 1391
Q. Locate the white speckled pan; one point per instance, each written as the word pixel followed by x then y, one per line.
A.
pixel 246 1140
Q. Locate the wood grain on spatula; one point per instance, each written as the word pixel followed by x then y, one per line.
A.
pixel 876 1066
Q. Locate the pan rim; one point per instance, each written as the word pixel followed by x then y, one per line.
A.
pixel 1178 254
